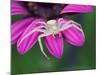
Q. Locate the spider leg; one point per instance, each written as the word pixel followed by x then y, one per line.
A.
pixel 40 44
pixel 31 32
pixel 73 22
pixel 72 25
pixel 79 29
pixel 68 26
pixel 69 23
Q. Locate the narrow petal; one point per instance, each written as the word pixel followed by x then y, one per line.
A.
pixel 17 8
pixel 55 45
pixel 73 8
pixel 18 27
pixel 74 36
pixel 25 43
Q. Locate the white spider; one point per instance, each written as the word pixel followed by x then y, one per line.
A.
pixel 52 27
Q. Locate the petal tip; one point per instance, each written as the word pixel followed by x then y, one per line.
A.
pixel 81 43
pixel 20 51
pixel 58 57
pixel 55 47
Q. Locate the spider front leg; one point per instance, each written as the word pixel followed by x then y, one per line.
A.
pixel 80 29
pixel 37 29
pixel 69 23
pixel 40 43
pixel 72 25
pixel 73 22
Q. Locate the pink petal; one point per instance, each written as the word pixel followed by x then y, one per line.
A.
pixel 73 8
pixel 24 45
pixel 18 27
pixel 74 36
pixel 17 8
pixel 55 45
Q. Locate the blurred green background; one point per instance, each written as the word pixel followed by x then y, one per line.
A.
pixel 74 58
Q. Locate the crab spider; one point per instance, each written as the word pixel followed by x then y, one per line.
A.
pixel 52 27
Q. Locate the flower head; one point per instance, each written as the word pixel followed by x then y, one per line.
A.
pixel 45 20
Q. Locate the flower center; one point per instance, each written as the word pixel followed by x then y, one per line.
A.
pixel 52 27
pixel 44 10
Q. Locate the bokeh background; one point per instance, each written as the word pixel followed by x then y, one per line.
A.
pixel 74 58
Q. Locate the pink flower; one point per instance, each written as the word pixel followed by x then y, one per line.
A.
pixel 47 25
